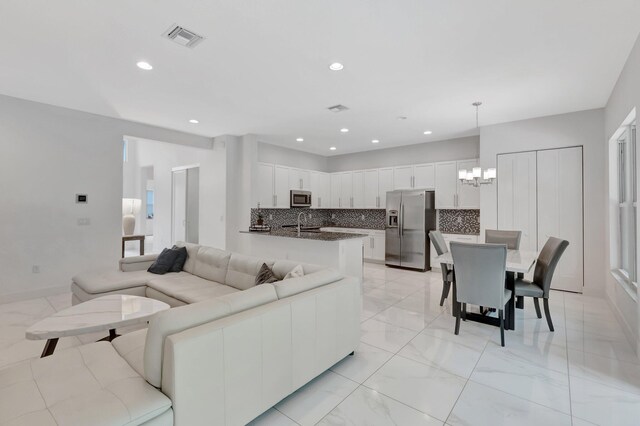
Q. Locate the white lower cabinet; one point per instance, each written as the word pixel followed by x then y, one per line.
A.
pixel 373 242
pixel 463 238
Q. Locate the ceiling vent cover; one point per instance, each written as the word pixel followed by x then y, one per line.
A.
pixel 338 108
pixel 182 36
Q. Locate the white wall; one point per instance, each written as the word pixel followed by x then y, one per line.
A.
pixel 430 152
pixel 624 98
pixel 163 157
pixel 48 154
pixel 268 153
pixel 580 128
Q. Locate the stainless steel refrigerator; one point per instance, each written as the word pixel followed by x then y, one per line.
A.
pixel 410 217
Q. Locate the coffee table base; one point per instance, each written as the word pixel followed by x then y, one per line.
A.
pixel 50 346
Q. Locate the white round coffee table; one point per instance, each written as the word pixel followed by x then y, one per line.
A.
pixel 99 314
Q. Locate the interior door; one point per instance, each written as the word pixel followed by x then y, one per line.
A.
pixel 517 196
pixel 179 206
pixel 412 234
pixel 560 212
pixel 192 231
pixel 392 229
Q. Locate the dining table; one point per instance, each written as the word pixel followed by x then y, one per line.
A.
pixel 518 262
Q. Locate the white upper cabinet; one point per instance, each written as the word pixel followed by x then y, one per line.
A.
pixel 335 190
pixel 446 185
pixel 346 190
pixel 299 179
pixel 424 176
pixel 403 177
pixel 265 190
pixel 371 197
pixel 358 189
pixel 468 195
pixel 385 184
pixel 319 184
pixel 281 185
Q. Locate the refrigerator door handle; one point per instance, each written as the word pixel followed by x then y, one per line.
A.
pixel 401 225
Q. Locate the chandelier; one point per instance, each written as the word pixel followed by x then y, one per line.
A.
pixel 476 177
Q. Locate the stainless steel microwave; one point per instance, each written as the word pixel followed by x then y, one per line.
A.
pixel 300 198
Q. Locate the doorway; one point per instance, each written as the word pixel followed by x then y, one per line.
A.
pixel 185 201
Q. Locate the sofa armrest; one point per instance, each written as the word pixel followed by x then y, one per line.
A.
pixel 137 263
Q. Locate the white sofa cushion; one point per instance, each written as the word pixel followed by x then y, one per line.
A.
pixel 192 254
pixel 78 386
pixel 166 323
pixel 282 267
pixel 102 281
pixel 211 264
pixel 242 270
pixel 130 346
pixel 188 288
pixel 298 285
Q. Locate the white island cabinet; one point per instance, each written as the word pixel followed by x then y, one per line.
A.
pixel 341 251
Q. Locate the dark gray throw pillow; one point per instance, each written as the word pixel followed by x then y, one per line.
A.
pixel 265 275
pixel 164 262
pixel 182 257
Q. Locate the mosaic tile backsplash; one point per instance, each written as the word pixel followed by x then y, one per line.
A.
pixel 449 221
pixel 459 221
pixel 346 218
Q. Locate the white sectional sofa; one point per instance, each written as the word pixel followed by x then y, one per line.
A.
pixel 223 356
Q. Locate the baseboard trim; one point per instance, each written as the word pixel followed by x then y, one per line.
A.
pixel 34 294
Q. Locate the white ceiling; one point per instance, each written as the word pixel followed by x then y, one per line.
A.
pixel 263 68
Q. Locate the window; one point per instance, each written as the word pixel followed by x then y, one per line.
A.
pixel 149 204
pixel 627 203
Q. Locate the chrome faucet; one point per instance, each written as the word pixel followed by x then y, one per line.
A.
pixel 305 220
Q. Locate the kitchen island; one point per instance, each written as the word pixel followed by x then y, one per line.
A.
pixel 342 251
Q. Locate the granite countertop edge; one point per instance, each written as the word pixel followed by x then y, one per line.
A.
pixel 316 236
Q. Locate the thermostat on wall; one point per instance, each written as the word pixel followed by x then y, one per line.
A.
pixel 82 199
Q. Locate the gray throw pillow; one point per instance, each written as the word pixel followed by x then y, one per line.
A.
pixel 182 257
pixel 265 275
pixel 164 262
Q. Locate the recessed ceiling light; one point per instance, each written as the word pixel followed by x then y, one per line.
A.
pixel 144 65
pixel 193 121
pixel 344 130
pixel 427 132
pixel 333 148
pixel 336 66
pixel 375 141
pixel 300 140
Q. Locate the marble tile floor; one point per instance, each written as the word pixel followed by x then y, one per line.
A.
pixel 410 369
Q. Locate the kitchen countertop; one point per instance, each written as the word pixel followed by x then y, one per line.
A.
pixel 353 227
pixel 318 236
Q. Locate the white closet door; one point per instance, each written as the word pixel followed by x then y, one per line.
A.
pixel 560 212
pixel 517 207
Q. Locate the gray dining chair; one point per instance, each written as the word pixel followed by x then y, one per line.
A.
pixel 540 287
pixel 480 278
pixel 510 238
pixel 447 272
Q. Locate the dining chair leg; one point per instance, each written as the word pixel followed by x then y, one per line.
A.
pixel 446 285
pixel 501 318
pixel 519 302
pixel 464 312
pixel 536 303
pixel 458 313
pixel 547 313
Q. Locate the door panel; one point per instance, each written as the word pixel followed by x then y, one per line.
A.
pixel 402 177
pixel 517 206
pixel 425 176
pixel 560 212
pixel 413 238
pixel 179 205
pixel 446 185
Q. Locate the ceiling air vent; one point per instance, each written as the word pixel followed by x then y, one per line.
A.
pixel 182 36
pixel 338 108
